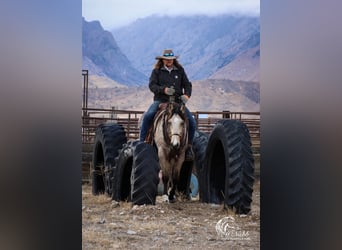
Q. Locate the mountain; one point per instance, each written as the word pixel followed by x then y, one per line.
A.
pixel 220 55
pixel 245 66
pixel 205 44
pixel 102 56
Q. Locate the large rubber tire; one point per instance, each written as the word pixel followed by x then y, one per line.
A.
pixel 199 147
pixel 229 166
pixel 145 174
pixel 109 139
pixel 123 171
pixel 137 174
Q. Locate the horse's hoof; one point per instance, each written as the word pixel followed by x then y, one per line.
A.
pixel 172 200
pixel 165 198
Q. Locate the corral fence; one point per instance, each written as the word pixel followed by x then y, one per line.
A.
pixel 129 119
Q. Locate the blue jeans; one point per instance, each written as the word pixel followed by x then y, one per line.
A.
pixel 151 112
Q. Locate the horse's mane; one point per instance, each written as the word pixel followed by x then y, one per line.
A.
pixel 176 109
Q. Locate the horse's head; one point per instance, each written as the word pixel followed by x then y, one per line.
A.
pixel 176 124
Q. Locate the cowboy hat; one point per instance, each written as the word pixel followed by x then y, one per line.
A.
pixel 167 54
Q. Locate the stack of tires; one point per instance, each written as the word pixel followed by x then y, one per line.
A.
pixel 223 171
pixel 136 174
pixel 126 171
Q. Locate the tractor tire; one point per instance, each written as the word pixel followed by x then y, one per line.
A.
pixel 123 170
pixel 229 170
pixel 145 175
pixel 199 147
pixel 137 174
pixel 109 139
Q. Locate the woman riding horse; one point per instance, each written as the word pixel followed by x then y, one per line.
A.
pixel 168 78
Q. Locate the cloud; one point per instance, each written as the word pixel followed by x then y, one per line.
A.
pixel 116 13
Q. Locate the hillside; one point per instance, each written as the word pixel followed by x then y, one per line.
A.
pixel 96 81
pixel 245 66
pixel 208 95
pixel 205 44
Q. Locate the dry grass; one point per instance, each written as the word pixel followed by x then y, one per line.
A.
pixel 181 225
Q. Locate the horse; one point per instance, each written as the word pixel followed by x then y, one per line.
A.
pixel 170 136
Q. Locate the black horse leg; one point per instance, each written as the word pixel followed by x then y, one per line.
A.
pixel 165 180
pixel 172 197
pixel 172 191
pixel 169 189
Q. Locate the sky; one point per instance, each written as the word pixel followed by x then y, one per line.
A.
pixel 117 13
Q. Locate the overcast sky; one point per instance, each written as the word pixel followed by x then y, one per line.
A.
pixel 116 13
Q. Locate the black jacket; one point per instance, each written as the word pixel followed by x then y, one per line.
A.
pixel 161 78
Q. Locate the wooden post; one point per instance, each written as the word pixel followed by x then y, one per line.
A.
pixel 226 114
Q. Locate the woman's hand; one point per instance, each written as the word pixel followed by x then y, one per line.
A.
pixel 185 98
pixel 169 91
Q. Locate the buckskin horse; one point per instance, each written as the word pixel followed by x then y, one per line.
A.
pixel 170 135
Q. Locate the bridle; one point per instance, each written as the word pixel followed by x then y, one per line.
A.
pixel 163 116
pixel 167 137
pixel 176 135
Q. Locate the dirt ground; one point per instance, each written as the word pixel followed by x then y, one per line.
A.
pixel 180 225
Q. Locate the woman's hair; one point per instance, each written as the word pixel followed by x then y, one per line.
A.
pixel 160 64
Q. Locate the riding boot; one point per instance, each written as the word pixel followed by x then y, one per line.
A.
pixel 189 154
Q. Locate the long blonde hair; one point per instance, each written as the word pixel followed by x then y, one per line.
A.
pixel 160 64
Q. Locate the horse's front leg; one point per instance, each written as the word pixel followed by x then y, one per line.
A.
pixel 165 179
pixel 172 198
pixel 169 187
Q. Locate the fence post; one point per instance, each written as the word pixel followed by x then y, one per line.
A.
pixel 85 92
pixel 196 118
pixel 113 114
pixel 226 114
